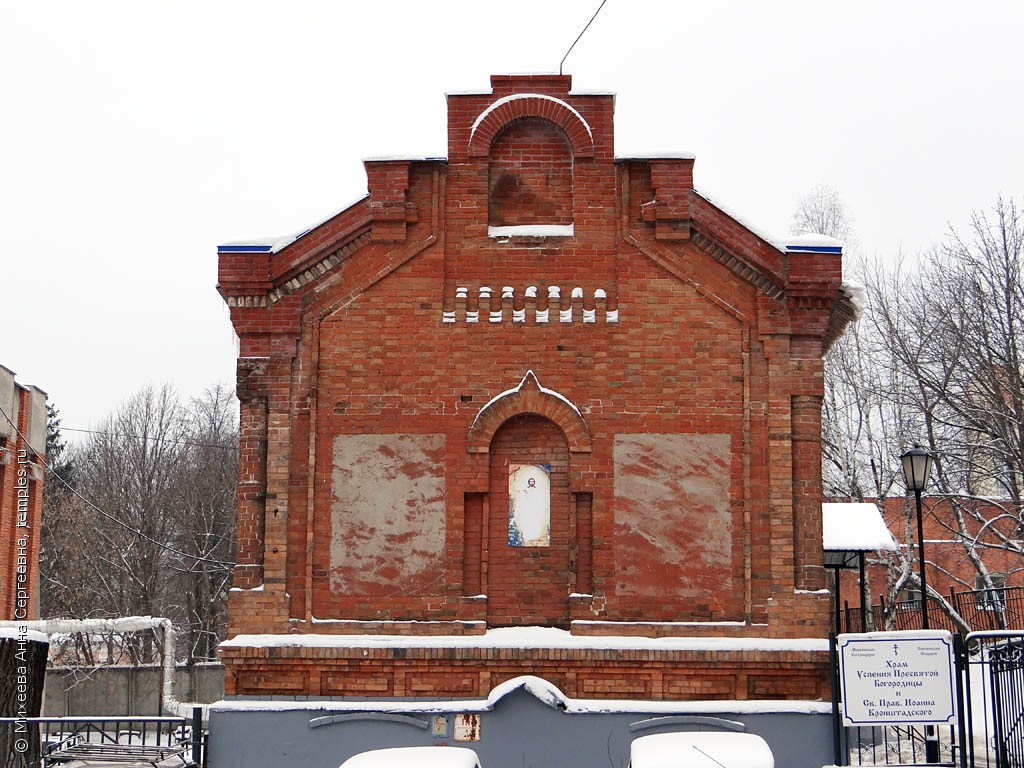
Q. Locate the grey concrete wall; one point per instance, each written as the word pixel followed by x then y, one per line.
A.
pixel 519 732
pixel 120 690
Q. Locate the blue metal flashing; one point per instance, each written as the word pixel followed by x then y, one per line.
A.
pixel 814 248
pixel 244 248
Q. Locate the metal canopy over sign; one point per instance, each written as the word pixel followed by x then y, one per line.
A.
pixel 890 678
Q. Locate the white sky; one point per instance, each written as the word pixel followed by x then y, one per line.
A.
pixel 135 136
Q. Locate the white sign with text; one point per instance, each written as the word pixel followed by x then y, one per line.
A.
pixel 889 678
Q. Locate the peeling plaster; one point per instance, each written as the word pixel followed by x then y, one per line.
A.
pixel 387 513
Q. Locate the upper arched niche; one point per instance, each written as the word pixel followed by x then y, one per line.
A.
pixel 530 175
pixel 529 397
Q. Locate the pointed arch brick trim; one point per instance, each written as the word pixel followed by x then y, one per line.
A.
pixel 529 397
pixel 505 110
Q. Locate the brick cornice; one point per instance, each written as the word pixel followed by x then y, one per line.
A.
pixel 736 264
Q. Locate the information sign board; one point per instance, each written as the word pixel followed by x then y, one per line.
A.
pixel 890 678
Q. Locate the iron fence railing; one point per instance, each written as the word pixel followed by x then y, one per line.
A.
pixel 981 609
pixel 178 741
pixel 994 696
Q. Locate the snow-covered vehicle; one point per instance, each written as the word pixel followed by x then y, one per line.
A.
pixel 701 749
pixel 414 757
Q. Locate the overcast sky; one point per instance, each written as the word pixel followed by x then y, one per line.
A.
pixel 135 136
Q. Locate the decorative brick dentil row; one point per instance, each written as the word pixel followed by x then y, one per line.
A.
pixel 482 306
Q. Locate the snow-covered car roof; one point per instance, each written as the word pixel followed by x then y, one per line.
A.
pixel 414 757
pixel 713 749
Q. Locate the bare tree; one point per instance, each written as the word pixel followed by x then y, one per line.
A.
pixel 821 212
pixel 937 360
pixel 961 338
pixel 144 523
pixel 206 507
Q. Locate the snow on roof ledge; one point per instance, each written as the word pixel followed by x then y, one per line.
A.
pixel 655 155
pixel 811 243
pixel 264 244
pixel 853 527
pixel 261 244
pixel 771 240
pixel 531 637
pixel 404 158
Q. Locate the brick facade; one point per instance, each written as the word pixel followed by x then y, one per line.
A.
pixel 22 457
pixel 535 301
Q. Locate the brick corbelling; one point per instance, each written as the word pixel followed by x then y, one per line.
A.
pixel 322 267
pixel 737 265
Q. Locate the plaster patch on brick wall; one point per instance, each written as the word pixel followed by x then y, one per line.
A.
pixel 387 514
pixel 673 530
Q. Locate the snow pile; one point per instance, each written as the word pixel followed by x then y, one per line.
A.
pixel 420 757
pixel 712 749
pixel 16 633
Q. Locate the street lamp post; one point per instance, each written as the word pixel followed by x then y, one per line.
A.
pixel 917 466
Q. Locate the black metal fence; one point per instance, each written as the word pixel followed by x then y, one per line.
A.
pixel 994 692
pixel 982 609
pixel 171 741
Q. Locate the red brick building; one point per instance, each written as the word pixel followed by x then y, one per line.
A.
pixel 22 457
pixel 536 384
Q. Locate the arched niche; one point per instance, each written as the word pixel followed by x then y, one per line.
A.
pixel 530 175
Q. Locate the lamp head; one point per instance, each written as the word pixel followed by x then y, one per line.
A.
pixel 917 467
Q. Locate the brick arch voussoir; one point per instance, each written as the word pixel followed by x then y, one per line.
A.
pixel 493 416
pixel 560 115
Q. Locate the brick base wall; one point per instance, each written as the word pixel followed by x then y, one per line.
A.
pixel 586 673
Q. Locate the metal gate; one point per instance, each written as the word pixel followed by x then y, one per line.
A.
pixel 994 693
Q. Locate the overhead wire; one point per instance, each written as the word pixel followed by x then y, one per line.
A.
pixel 562 62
